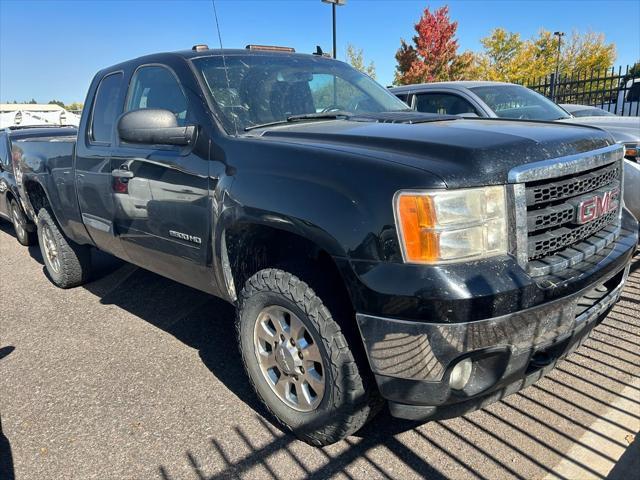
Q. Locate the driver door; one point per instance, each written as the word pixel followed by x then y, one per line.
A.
pixel 161 192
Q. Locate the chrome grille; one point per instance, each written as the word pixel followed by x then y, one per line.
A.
pixel 549 237
pixel 556 239
pixel 550 217
pixel 572 187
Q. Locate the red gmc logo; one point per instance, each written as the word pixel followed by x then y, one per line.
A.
pixel 598 205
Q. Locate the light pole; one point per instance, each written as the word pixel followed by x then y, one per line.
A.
pixel 555 78
pixel 334 4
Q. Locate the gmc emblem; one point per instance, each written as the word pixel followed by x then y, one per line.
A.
pixel 598 205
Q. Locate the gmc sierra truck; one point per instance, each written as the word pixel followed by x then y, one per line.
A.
pixel 373 253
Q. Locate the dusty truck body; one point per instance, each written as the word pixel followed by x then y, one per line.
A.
pixel 11 206
pixel 372 252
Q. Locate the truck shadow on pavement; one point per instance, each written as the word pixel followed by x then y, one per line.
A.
pixel 6 457
pixel 581 386
pixel 522 436
pixel 200 320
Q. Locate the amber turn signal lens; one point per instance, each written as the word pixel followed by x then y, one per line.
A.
pixel 417 214
pixel 631 152
pixel 443 226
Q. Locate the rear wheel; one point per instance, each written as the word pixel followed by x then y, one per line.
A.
pixel 21 225
pixel 67 263
pixel 298 359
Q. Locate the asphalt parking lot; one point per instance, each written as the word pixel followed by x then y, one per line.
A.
pixel 136 376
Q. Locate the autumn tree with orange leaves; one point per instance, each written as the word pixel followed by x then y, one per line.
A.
pixel 434 54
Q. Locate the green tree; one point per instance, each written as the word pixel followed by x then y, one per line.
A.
pixel 356 60
pixel 506 57
pixel 634 72
pixel 501 48
pixel 583 53
pixel 56 102
pixel 74 107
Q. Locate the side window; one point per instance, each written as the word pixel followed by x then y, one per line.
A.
pixel 443 103
pixel 633 94
pixel 157 87
pixel 106 107
pixel 404 97
pixel 5 158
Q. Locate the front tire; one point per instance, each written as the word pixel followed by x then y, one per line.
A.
pixel 21 225
pixel 67 263
pixel 298 359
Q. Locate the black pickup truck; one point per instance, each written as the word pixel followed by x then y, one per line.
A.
pixel 10 200
pixel 372 252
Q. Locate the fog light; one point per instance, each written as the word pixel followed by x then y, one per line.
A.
pixel 461 374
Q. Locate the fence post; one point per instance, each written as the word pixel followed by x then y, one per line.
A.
pixel 552 86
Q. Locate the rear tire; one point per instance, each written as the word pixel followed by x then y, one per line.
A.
pixel 344 397
pixel 67 263
pixel 21 225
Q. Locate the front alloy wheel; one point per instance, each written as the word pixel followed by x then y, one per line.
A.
pixel 299 361
pixel 289 358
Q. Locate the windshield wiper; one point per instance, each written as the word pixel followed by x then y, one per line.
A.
pixel 264 125
pixel 304 116
pixel 320 116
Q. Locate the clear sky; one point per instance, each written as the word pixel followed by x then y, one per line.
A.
pixel 51 49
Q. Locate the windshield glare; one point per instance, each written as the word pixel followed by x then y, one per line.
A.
pixel 270 88
pixel 592 112
pixel 514 101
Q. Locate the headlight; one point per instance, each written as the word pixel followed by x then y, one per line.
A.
pixel 440 226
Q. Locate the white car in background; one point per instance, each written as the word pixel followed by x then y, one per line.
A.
pixel 628 101
pixel 585 110
pixel 508 100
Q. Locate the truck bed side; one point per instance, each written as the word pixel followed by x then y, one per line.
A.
pixel 45 172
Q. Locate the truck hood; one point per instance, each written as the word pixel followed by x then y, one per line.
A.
pixel 462 152
pixel 622 129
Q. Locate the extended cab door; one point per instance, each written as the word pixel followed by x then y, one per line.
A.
pixel 93 161
pixel 161 192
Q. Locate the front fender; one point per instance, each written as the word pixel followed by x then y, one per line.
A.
pixel 341 201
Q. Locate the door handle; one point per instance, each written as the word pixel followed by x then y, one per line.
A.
pixel 122 173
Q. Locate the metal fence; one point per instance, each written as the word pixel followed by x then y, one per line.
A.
pixel 614 90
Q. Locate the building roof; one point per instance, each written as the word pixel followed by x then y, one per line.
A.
pixel 30 107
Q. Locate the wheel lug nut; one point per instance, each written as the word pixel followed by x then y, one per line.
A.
pixel 293 342
pixel 281 336
pixel 300 355
pixel 301 369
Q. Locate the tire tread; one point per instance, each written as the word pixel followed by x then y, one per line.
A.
pixel 355 405
pixel 75 264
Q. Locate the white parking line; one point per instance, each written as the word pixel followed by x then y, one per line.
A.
pixel 579 454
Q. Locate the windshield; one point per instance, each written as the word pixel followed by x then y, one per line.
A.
pixel 515 101
pixel 591 112
pixel 264 89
